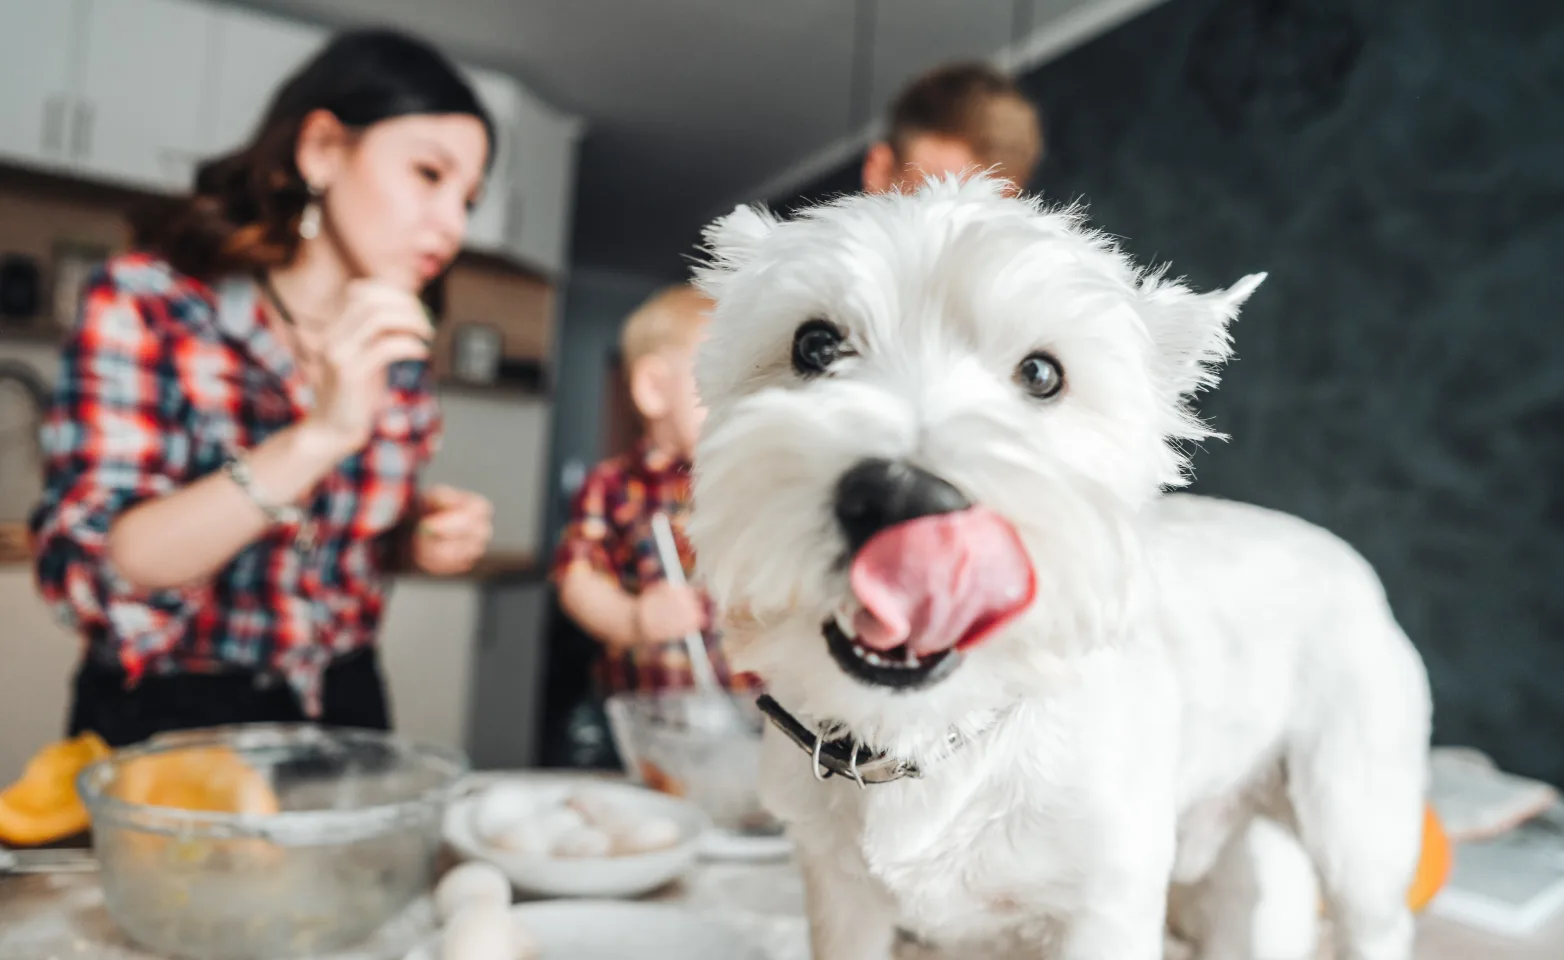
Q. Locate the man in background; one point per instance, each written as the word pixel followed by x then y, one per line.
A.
pixel 957 118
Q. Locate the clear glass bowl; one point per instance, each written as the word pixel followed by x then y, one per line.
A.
pixel 352 844
pixel 698 746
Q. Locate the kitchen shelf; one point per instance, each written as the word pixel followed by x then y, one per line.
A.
pixel 496 391
pixel 501 566
pixel 46 335
pixel 13 545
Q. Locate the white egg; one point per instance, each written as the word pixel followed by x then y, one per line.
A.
pixel 523 838
pixel 582 841
pixel 559 820
pixel 601 811
pixel 479 932
pixel 471 884
pixel 501 806
pixel 524 941
pixel 646 836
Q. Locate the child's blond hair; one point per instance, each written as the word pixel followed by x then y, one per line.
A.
pixel 671 317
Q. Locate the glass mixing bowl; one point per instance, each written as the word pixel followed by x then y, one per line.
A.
pixel 352 843
pixel 703 747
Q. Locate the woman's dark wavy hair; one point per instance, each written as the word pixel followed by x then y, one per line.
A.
pixel 243 213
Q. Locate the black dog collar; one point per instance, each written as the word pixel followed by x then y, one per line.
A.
pixel 844 756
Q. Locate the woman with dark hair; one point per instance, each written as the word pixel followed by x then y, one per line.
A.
pixel 245 404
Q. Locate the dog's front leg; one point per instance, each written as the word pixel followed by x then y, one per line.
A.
pixel 1123 908
pixel 1124 924
pixel 851 916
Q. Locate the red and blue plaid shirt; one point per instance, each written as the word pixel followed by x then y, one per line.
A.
pixel 610 533
pixel 163 380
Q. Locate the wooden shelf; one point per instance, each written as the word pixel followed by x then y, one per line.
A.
pixel 37 332
pixel 496 391
pixel 503 263
pixel 500 566
pixel 13 545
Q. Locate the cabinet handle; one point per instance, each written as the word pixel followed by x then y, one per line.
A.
pixel 81 131
pixel 53 120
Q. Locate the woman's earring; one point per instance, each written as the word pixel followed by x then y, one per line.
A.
pixel 309 220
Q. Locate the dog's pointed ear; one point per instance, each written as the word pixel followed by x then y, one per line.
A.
pixel 736 235
pixel 1236 295
pixel 730 242
pixel 1190 331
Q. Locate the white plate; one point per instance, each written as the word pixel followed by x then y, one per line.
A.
pixel 609 930
pixel 627 876
pixel 720 844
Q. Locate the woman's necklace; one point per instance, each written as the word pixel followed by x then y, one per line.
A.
pixel 302 357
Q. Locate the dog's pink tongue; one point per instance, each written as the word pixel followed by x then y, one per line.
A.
pixel 940 581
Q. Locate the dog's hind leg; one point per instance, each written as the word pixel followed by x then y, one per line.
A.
pixel 1357 777
pixel 1259 900
pixel 851 917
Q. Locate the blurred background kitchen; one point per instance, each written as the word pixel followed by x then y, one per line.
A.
pixel 1397 166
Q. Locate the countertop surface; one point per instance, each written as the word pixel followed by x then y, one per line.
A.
pixel 61 917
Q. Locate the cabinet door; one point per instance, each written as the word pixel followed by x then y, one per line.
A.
pixel 545 173
pixel 145 73
pixel 37 42
pixel 486 227
pixel 255 54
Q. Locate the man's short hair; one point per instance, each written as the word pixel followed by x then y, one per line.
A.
pixel 976 104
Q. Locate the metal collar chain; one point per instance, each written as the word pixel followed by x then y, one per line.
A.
pixel 844 756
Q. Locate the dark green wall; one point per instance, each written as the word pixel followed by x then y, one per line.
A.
pixel 1398 167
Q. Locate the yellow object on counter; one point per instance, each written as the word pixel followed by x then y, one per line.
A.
pixel 1433 868
pixel 43 807
pixel 208 779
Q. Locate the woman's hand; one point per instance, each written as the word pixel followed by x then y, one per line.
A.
pixel 453 530
pixel 380 325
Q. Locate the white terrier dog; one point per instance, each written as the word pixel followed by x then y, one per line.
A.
pixel 929 495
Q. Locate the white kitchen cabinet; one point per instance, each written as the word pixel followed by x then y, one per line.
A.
pixel 254 54
pixel 144 75
pixel 109 89
pixel 428 643
pixel 486 227
pixel 138 92
pixel 37 66
pixel 538 225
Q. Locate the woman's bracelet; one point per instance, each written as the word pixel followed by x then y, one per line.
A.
pixel 278 514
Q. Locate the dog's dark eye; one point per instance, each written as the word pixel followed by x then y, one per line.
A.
pixel 816 345
pixel 1041 376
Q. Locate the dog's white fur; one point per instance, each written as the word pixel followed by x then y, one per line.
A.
pixel 1187 663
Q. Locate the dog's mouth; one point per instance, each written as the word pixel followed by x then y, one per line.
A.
pixel 926 591
pixel 897 668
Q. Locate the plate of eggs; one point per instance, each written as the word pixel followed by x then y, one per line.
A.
pixel 568 837
pixel 478 922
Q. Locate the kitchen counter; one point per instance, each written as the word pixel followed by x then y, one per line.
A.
pixel 61 917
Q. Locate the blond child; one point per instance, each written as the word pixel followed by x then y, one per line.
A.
pixel 611 581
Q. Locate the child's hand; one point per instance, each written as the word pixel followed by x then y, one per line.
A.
pixel 666 612
pixel 454 528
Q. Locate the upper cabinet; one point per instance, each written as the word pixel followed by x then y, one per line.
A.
pixel 486 226
pixel 138 92
pixel 37 60
pixel 84 86
pixel 253 54
pixel 527 204
pixel 136 116
pixel 543 186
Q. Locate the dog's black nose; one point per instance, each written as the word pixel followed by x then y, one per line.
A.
pixel 876 494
